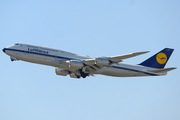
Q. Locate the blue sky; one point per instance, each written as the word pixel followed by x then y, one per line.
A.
pixel 95 28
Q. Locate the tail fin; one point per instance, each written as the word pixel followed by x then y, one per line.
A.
pixel 159 60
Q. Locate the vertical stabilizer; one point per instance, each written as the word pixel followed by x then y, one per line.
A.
pixel 159 60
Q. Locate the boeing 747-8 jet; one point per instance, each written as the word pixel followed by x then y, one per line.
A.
pixel 77 66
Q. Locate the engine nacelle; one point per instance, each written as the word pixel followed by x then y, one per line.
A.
pixel 62 72
pixel 102 61
pixel 73 75
pixel 76 64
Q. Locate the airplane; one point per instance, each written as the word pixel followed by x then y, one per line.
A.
pixel 76 66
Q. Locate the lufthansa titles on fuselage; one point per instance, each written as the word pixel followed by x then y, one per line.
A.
pixel 37 50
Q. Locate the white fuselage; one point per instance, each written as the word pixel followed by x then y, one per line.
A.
pixel 51 57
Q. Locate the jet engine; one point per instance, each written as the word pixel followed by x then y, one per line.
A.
pixel 62 72
pixel 102 61
pixel 73 75
pixel 76 64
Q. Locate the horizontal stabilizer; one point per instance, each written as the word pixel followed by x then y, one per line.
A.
pixel 162 70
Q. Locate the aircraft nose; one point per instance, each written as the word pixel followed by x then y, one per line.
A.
pixel 4 50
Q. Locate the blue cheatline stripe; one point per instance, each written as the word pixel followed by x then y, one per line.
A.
pixel 39 54
pixel 135 70
pixel 76 59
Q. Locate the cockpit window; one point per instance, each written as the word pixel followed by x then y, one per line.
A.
pixel 16 44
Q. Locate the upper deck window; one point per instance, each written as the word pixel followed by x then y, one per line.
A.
pixel 32 46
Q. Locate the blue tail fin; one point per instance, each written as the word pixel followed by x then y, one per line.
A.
pixel 159 60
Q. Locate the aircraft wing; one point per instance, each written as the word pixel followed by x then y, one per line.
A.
pixel 121 57
pixel 91 65
pixel 114 59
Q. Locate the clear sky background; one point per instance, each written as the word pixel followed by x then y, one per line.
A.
pixel 95 28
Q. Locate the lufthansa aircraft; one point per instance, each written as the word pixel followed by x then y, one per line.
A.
pixel 77 66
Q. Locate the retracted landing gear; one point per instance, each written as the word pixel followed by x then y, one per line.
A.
pixel 83 75
pixel 78 74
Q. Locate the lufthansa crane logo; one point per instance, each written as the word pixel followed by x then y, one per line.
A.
pixel 161 58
